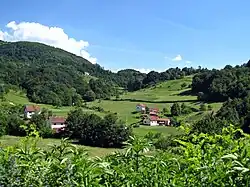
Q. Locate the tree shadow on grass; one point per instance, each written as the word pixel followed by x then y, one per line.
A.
pixel 148 101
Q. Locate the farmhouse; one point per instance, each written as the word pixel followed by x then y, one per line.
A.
pixel 154 110
pixel 151 121
pixel 29 110
pixel 140 108
pixel 57 123
pixel 155 121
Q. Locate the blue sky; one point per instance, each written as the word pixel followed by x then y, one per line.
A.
pixel 140 34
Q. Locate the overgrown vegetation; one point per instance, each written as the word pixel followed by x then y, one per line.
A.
pixel 194 160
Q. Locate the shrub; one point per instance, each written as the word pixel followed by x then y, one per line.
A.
pixel 203 107
pixel 91 129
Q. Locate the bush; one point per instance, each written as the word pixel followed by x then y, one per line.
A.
pixel 209 107
pixel 185 109
pixel 91 129
pixel 194 160
pixel 203 107
pixel 89 96
pixel 175 109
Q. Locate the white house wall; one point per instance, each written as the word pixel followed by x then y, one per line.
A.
pixel 57 126
pixel 153 123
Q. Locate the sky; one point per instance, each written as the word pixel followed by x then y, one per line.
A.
pixel 144 35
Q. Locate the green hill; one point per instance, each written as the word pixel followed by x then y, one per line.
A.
pixel 163 95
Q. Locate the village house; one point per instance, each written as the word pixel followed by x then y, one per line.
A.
pixel 155 121
pixel 140 108
pixel 154 110
pixel 57 123
pixel 30 110
pixel 151 121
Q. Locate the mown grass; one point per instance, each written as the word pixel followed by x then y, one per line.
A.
pixel 20 98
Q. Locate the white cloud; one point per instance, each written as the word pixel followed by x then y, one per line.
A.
pixel 177 58
pixel 188 62
pixel 53 36
pixel 142 70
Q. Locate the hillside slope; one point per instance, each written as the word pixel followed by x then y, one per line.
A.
pixel 53 76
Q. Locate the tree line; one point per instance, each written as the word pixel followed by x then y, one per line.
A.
pixel 220 85
pixel 86 128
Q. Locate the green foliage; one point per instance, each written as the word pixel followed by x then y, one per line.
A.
pixel 89 96
pixel 209 124
pixel 52 76
pixel 209 107
pixel 165 111
pixel 185 109
pixel 219 85
pixel 203 107
pixel 42 125
pixel 195 160
pixel 90 129
pixel 183 85
pixel 175 109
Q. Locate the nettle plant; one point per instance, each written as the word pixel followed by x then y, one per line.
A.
pixel 201 160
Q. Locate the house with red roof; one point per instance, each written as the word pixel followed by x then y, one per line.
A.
pixel 57 123
pixel 154 110
pixel 151 121
pixel 30 110
pixel 140 107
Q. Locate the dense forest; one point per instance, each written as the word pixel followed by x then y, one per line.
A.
pixel 231 86
pixel 220 85
pixel 53 76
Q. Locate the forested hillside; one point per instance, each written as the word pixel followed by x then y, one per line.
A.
pixel 54 76
pixel 231 86
pixel 219 85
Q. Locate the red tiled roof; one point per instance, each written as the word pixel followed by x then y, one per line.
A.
pixel 32 108
pixel 153 118
pixel 57 120
pixel 154 109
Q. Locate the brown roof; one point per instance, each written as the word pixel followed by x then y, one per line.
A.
pixel 154 109
pixel 32 108
pixel 153 118
pixel 163 119
pixel 57 120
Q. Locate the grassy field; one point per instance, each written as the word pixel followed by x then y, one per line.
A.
pixel 160 96
pixel 20 98
pixel 47 143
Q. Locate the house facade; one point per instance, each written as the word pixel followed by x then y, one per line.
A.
pixel 163 121
pixel 140 108
pixel 30 110
pixel 151 121
pixel 57 123
pixel 156 121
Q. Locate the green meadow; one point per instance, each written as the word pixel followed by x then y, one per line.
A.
pixel 160 96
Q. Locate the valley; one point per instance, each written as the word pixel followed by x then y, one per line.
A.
pixel 163 95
